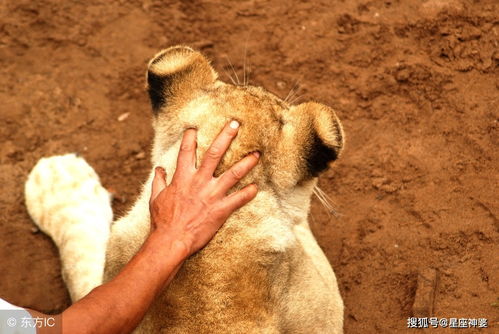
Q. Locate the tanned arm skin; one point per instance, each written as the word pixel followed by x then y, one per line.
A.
pixel 185 216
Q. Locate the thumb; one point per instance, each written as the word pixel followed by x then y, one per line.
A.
pixel 158 182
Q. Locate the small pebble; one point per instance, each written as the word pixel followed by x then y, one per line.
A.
pixel 123 116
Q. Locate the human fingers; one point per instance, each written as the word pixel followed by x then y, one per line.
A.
pixel 218 148
pixel 186 159
pixel 238 199
pixel 230 177
pixel 158 183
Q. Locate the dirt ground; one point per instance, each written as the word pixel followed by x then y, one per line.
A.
pixel 416 84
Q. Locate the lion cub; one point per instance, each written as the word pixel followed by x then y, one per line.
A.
pixel 263 272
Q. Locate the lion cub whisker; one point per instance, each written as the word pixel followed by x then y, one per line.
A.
pixel 326 202
pixel 233 70
pixel 294 89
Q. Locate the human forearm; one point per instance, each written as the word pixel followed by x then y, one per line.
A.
pixel 119 305
pixel 185 215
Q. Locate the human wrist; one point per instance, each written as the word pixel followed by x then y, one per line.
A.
pixel 170 248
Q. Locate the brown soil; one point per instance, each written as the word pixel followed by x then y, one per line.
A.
pixel 415 83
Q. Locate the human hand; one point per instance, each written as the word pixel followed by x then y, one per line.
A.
pixel 194 206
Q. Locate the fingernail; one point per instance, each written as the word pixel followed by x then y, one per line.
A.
pixel 256 154
pixel 159 169
pixel 234 124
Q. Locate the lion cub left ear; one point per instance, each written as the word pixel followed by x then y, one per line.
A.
pixel 175 74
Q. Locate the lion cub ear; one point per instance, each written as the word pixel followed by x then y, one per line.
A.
pixel 325 137
pixel 175 74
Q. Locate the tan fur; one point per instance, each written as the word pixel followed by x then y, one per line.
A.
pixel 263 272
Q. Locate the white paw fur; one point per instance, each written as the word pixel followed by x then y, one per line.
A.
pixel 66 200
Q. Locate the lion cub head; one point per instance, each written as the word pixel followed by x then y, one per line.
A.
pixel 296 142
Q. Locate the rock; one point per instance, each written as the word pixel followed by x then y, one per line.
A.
pixel 123 116
pixel 402 75
pixel 115 196
pixel 135 148
pixel 425 293
pixel 433 7
pixel 384 184
pixel 204 44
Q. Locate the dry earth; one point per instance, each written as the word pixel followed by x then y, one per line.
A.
pixel 416 84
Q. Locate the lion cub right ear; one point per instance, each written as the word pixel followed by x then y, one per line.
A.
pixel 323 137
pixel 175 74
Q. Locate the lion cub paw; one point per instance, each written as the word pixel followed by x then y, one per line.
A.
pixel 65 198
